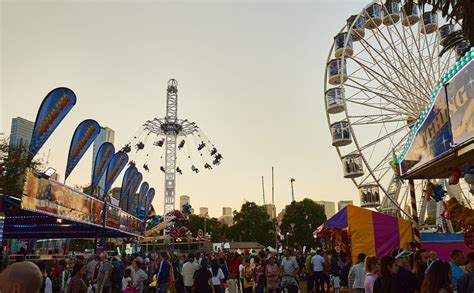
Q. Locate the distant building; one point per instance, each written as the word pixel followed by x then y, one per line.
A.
pixel 281 215
pixel 184 199
pixel 106 135
pixel 226 211
pixel 227 217
pixel 21 132
pixel 204 212
pixel 343 203
pixel 329 207
pixel 271 210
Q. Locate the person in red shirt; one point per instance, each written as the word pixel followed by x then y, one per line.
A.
pixel 234 265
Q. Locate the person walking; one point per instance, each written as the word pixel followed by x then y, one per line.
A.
pixel 438 278
pixel 308 269
pixel 405 277
pixel 47 286
pixel 387 283
pixel 249 277
pixel 372 268
pixel 357 275
pixel 420 263
pixel 457 260
pixel 137 275
pixel 289 272
pixel 163 274
pixel 77 284
pixel 105 272
pixel 272 273
pixel 318 269
pixel 203 279
pixel 217 276
pixel 188 270
pixel 466 282
pixel 335 282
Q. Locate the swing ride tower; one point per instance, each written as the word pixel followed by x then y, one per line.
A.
pixel 174 134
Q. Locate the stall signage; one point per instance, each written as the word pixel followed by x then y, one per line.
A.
pixel 460 91
pixel 432 139
pixel 56 199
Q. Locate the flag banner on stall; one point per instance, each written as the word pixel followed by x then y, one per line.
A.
pixel 83 137
pixel 133 190
pixel 116 165
pixel 141 195
pixel 102 160
pixel 52 111
pixel 127 181
pixel 149 200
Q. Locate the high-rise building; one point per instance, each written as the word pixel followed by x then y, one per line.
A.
pixel 106 135
pixel 226 211
pixel 343 203
pixel 204 212
pixel 271 210
pixel 21 132
pixel 329 207
pixel 184 199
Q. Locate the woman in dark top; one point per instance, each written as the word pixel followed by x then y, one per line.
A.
pixel 387 283
pixel 438 278
pixel 420 260
pixel 76 284
pixel 202 279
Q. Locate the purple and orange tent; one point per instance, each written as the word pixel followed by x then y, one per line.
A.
pixel 371 232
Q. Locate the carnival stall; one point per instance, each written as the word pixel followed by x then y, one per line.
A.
pixel 440 150
pixel 360 230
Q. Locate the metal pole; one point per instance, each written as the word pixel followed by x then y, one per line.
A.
pixel 414 213
pixel 273 188
pixel 263 190
pixel 274 209
pixel 292 190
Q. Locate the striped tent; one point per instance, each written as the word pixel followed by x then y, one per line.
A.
pixel 371 232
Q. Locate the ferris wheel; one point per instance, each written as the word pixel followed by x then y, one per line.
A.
pixel 381 71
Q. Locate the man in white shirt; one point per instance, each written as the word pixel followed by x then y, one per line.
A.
pixel 357 275
pixel 189 268
pixel 318 269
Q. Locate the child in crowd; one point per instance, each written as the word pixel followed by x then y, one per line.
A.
pixel 336 282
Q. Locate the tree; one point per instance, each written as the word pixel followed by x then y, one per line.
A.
pixel 14 161
pixel 459 11
pixel 211 226
pixel 300 220
pixel 252 223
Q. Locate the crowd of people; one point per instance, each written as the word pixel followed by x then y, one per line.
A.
pixel 402 271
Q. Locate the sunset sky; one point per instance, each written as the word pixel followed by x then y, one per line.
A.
pixel 250 74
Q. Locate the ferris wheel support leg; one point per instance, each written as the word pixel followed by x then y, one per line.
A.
pixel 414 212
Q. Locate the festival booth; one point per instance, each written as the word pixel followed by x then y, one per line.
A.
pixel 365 231
pixel 440 148
pixel 51 210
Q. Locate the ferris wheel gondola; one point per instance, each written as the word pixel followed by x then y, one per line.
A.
pixel 381 71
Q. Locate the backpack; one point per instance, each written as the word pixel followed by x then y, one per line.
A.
pixel 118 270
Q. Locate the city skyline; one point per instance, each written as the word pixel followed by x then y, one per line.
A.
pixel 250 74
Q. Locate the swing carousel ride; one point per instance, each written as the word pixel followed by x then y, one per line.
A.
pixel 382 70
pixel 174 147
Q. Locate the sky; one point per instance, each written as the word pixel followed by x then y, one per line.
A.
pixel 250 74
